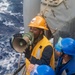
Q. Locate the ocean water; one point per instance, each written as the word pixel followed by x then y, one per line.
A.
pixel 11 22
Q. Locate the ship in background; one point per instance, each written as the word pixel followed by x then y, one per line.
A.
pixel 59 14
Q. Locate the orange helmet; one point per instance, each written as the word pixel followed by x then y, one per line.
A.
pixel 38 22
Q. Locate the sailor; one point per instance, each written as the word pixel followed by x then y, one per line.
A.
pixel 42 70
pixel 41 52
pixel 65 49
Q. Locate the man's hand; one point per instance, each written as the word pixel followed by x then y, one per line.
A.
pixel 30 67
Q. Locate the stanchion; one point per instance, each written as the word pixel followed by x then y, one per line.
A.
pixel 19 69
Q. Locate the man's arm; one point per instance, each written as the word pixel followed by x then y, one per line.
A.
pixel 46 56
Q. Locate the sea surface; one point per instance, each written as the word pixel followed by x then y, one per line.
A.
pixel 11 22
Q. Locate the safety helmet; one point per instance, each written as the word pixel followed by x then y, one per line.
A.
pixel 38 22
pixel 44 70
pixel 58 46
pixel 67 46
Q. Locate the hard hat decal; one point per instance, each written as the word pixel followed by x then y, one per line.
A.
pixel 33 20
